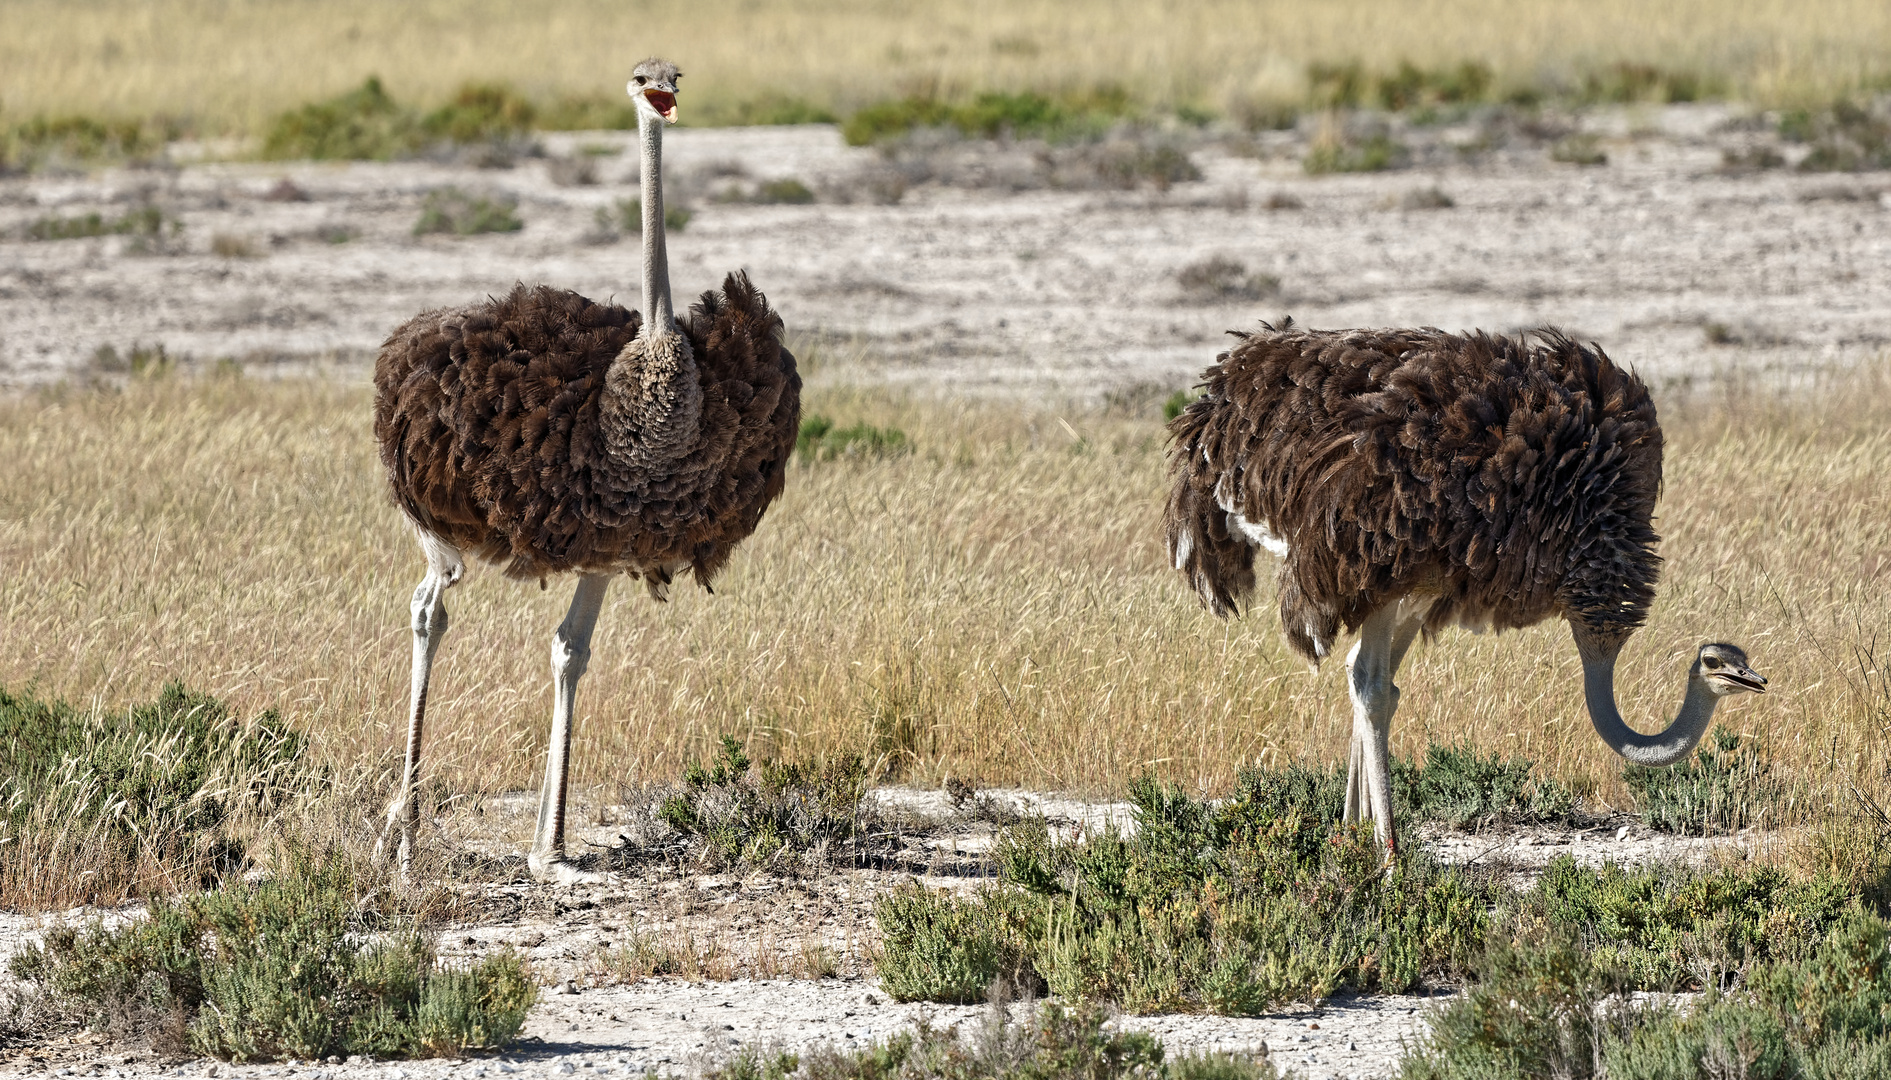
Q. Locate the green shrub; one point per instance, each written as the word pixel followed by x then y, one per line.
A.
pixel 43 141
pixel 481 112
pixel 1543 1006
pixel 771 813
pixel 122 798
pixel 767 110
pixel 144 221
pixel 1579 150
pixel 1845 137
pixel 785 190
pixel 288 967
pixel 364 123
pixel 991 116
pixel 820 440
pixel 450 210
pixel 1723 788
pixel 1376 154
pixel 1462 788
pixel 1229 907
pixel 1219 277
pixel 1628 82
pixel 1664 929
pixel 1057 1043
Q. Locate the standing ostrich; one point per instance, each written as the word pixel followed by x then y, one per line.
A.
pixel 1410 479
pixel 552 434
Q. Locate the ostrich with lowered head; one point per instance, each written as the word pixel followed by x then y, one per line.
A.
pixel 551 434
pixel 1411 479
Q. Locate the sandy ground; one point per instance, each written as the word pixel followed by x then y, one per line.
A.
pixel 989 281
pixel 753 932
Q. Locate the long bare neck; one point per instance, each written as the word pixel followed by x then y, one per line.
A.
pixel 1666 748
pixel 659 316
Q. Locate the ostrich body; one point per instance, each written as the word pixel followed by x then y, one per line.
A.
pixel 551 434
pixel 1412 479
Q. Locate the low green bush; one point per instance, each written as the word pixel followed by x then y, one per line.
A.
pixel 820 440
pixel 481 112
pixel 626 215
pixel 364 123
pixel 289 967
pixel 143 221
pixel 1545 1006
pixel 771 813
pixel 1664 929
pixel 1723 788
pixel 450 210
pixel 1844 137
pixel 1055 1043
pixel 990 116
pixel 1374 154
pixel 1229 907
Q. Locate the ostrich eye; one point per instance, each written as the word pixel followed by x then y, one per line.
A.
pixel 1710 662
pixel 641 80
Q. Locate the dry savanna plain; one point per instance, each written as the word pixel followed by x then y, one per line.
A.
pixel 952 675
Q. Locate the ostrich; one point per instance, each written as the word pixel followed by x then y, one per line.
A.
pixel 1410 479
pixel 552 434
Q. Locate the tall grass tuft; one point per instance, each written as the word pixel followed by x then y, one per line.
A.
pixel 97 806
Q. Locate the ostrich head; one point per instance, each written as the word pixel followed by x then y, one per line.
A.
pixel 1724 669
pixel 653 87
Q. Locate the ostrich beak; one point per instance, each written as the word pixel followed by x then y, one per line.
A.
pixel 1741 678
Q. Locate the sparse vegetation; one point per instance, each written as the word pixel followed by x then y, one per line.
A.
pixel 1177 402
pixel 820 440
pixel 1051 1042
pixel 1579 150
pixel 1221 278
pixel 289 967
pixel 1230 907
pixel 774 814
pixel 1426 198
pixel 1375 153
pixel 146 221
pixel 1845 137
pixel 450 210
pixel 1544 1006
pixel 991 115
pixel 785 190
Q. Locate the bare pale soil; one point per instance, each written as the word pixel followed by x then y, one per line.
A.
pixel 973 287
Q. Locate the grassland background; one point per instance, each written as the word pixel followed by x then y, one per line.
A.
pixel 227 65
pixel 993 606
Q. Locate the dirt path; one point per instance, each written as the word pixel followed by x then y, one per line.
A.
pixel 1675 264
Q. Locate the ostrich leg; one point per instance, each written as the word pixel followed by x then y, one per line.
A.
pixel 1383 642
pixel 571 651
pixel 444 568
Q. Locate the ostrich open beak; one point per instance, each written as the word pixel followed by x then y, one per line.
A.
pixel 1741 678
pixel 663 101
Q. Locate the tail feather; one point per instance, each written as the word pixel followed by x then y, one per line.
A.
pixel 1219 565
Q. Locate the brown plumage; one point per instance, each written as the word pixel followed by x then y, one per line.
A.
pixel 1507 480
pixel 494 426
pixel 1411 479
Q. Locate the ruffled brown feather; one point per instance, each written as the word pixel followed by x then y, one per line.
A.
pixel 492 425
pixel 1509 480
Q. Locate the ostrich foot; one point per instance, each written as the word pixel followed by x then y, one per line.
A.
pixel 558 870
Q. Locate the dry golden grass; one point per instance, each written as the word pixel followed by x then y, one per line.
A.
pixel 231 65
pixel 994 606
